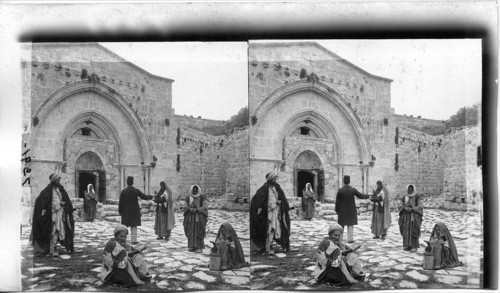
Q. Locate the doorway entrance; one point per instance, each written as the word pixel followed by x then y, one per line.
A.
pixel 308 169
pixel 304 177
pixel 89 170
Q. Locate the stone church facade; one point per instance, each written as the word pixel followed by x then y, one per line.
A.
pixel 316 117
pixel 93 117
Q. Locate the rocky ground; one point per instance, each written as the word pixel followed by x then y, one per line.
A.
pixel 386 264
pixel 172 266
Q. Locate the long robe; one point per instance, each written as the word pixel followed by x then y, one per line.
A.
pixel 410 222
pixel 229 247
pixel 128 206
pixel 345 206
pixel 377 215
pixel 337 265
pixel 195 222
pixel 42 225
pixel 259 223
pixel 308 202
pixel 443 247
pixel 123 265
pixel 165 218
pixel 90 205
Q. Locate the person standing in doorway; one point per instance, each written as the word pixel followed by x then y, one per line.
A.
pixel 345 207
pixel 128 207
pixel 308 202
pixel 90 203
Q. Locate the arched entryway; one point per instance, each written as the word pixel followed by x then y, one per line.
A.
pixel 309 169
pixel 89 169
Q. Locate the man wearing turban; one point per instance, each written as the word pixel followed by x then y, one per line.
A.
pixel 52 219
pixel 269 218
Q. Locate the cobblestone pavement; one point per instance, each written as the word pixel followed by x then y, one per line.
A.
pixel 386 264
pixel 172 266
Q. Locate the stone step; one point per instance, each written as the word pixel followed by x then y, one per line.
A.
pixel 110 213
pixel 330 218
pixel 110 207
pixel 115 219
pixel 328 206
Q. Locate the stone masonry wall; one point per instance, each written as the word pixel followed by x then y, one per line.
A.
pixel 219 164
pixel 235 154
pixel 273 65
pixel 462 177
pixel 440 166
pixel 200 162
pixel 54 66
pixel 421 161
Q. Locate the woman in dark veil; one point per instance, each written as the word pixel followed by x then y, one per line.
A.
pixel 443 247
pixel 228 245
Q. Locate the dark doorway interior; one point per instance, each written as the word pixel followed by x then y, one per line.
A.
pixel 85 178
pixel 102 187
pixel 304 177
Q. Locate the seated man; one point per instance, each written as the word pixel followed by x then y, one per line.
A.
pixel 228 246
pixel 442 246
pixel 123 264
pixel 336 263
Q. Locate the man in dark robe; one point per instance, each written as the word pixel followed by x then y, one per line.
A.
pixel 345 207
pixel 269 218
pixel 53 219
pixel 128 207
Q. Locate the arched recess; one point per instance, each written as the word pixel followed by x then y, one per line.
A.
pixel 104 91
pixel 102 126
pixel 322 90
pixel 89 169
pixel 318 123
pixel 308 168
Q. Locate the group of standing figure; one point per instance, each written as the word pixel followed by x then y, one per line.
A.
pixel 336 262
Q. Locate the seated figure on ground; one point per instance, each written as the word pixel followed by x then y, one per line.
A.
pixel 443 248
pixel 123 264
pixel 227 244
pixel 337 263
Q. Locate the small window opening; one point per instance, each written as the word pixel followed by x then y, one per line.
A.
pixel 304 131
pixel 86 131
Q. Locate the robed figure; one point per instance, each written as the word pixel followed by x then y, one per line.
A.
pixel 53 219
pixel 90 203
pixel 308 201
pixel 442 246
pixel 269 218
pixel 165 218
pixel 227 244
pixel 410 218
pixel 195 219
pixel 381 213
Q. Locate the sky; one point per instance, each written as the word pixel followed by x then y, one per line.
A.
pixel 431 78
pixel 210 79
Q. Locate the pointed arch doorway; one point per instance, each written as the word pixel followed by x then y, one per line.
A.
pixel 89 169
pixel 308 169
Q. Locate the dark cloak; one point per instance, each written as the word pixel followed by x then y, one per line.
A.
pixel 128 206
pixel 345 206
pixel 445 256
pixel 259 222
pixel 41 231
pixel 236 259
